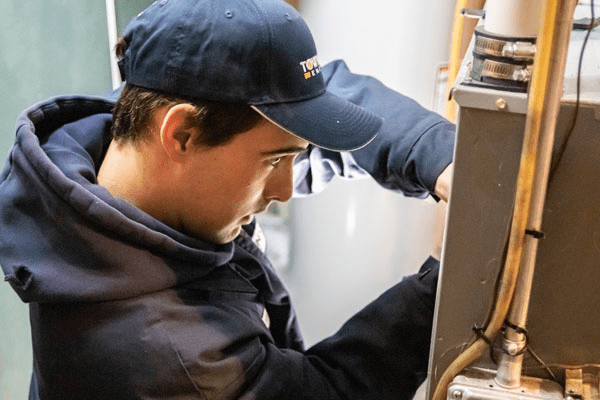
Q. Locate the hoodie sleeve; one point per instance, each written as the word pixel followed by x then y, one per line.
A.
pixel 411 150
pixel 380 353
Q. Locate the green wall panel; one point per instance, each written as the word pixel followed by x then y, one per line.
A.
pixel 126 10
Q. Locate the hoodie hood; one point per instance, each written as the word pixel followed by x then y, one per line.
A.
pixel 65 238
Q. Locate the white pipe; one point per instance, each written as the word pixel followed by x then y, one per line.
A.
pixel 515 18
pixel 111 19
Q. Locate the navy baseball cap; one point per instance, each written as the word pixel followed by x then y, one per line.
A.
pixel 256 52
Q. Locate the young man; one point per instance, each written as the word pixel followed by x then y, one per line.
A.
pixel 128 226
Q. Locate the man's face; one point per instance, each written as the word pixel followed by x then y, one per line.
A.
pixel 225 186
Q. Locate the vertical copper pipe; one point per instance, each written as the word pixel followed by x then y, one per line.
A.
pixel 462 31
pixel 544 104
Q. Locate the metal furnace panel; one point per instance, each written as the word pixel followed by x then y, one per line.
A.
pixel 564 324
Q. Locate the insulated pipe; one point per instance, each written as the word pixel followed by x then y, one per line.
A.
pixel 544 98
pixel 514 18
pixel 544 104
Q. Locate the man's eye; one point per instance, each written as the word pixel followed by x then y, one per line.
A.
pixel 275 161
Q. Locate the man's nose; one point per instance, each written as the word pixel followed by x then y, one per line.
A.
pixel 279 187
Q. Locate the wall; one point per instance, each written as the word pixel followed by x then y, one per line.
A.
pixel 354 240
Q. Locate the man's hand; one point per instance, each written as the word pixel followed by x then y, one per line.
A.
pixel 442 185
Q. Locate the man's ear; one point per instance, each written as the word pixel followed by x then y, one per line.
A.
pixel 176 135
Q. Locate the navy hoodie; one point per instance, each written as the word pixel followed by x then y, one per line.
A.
pixel 124 307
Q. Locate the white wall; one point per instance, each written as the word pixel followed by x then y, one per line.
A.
pixel 398 41
pixel 354 240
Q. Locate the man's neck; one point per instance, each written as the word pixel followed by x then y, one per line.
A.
pixel 124 174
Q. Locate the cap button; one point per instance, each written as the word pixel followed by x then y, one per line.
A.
pixel 229 14
pixel 288 16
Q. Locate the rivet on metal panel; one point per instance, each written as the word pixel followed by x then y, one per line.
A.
pixel 501 104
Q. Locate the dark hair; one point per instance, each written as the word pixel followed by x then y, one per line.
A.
pixel 219 122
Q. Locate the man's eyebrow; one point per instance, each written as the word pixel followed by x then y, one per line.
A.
pixel 284 150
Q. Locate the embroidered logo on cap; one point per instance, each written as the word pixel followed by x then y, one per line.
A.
pixel 311 67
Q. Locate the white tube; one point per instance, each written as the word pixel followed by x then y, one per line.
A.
pixel 111 18
pixel 515 18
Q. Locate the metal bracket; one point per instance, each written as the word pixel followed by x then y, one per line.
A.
pixel 479 384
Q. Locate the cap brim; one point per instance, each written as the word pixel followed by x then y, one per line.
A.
pixel 326 121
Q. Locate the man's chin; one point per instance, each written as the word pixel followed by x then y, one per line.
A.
pixel 228 235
